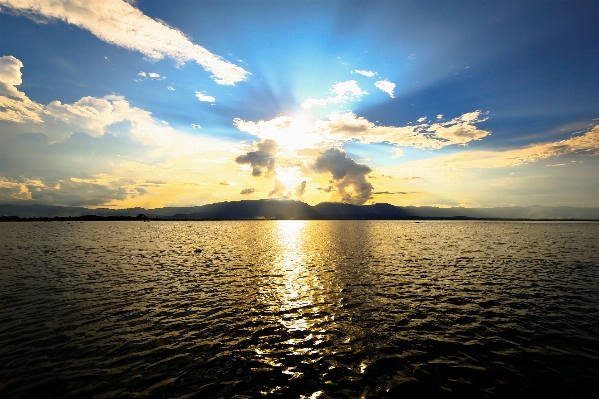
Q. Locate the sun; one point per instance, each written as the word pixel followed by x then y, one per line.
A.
pixel 290 177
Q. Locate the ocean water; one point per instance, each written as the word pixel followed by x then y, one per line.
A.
pixel 299 309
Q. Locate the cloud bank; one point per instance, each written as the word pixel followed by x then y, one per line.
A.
pixel 587 143
pixel 341 127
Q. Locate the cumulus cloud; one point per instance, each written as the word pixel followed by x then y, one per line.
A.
pixel 349 176
pixel 247 191
pixel 386 86
pixel 10 70
pixel 343 92
pixel 89 115
pixel 368 74
pixel 142 73
pixel 15 106
pixel 11 190
pixel 81 149
pixel 119 23
pixel 262 160
pixel 278 190
pixel 205 98
pixel 154 75
pixel 300 189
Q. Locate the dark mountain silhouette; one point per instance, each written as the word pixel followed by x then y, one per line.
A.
pixel 289 209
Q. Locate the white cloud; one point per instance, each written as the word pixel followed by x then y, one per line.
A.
pixel 89 115
pixel 339 127
pixel 587 143
pixel 15 106
pixel 365 73
pixel 10 70
pixel 386 86
pixel 440 116
pixel 100 151
pixel 204 97
pixel 171 88
pixel 421 119
pixel 196 126
pixel 142 73
pixel 119 23
pixel 343 91
pixel 397 153
pixel 154 75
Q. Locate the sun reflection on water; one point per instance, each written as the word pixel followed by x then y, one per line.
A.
pixel 294 293
pixel 297 285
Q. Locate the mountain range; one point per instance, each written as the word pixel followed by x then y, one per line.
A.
pixel 290 209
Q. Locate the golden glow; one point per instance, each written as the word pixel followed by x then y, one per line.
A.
pixel 295 281
pixel 293 292
pixel 290 177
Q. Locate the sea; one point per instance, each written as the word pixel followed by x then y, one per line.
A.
pixel 299 309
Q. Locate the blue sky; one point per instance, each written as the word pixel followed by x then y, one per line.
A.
pixel 152 103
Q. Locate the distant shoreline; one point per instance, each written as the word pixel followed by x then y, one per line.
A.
pixel 295 210
pixel 95 218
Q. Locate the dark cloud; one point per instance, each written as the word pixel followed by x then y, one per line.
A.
pixel 349 176
pixel 278 190
pixel 262 159
pixel 267 145
pixel 300 189
pixel 247 191
pixel 223 183
pixel 141 191
pixel 326 189
pixel 391 193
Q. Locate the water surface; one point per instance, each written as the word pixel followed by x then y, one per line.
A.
pixel 329 309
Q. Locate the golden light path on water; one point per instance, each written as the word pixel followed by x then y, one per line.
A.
pixel 295 296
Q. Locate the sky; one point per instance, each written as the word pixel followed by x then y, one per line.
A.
pixel 151 103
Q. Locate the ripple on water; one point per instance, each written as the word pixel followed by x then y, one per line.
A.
pixel 299 309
